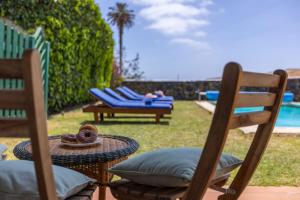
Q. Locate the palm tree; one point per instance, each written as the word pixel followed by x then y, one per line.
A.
pixel 121 16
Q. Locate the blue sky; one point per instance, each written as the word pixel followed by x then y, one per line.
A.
pixel 193 39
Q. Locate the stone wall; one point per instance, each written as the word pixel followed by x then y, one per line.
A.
pixel 180 90
pixel 187 90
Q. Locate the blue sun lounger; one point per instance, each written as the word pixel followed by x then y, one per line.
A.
pixel 111 105
pixel 128 95
pixel 131 96
pixel 164 98
pixel 119 97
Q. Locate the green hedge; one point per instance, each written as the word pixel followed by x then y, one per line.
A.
pixel 81 45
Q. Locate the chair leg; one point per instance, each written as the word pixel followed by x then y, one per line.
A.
pixel 226 197
pixel 111 115
pixel 101 117
pixel 102 192
pixel 96 117
pixel 157 118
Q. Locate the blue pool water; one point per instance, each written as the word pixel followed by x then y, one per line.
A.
pixel 212 95
pixel 289 116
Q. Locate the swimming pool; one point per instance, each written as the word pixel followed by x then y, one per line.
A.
pixel 289 115
pixel 213 95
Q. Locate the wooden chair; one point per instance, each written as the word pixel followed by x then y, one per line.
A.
pixel 224 119
pixel 31 100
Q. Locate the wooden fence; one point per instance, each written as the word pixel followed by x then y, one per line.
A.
pixel 12 45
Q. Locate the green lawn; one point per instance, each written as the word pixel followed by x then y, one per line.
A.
pixel 188 127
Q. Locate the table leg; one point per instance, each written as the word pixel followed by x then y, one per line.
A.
pixel 105 178
pixel 102 192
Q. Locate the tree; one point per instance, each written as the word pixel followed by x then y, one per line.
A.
pixel 122 17
pixel 133 70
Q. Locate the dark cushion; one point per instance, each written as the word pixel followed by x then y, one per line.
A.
pixel 171 167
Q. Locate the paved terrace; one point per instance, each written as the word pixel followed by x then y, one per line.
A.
pixel 251 193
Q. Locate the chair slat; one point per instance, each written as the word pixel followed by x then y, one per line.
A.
pixel 14 99
pixel 251 79
pixel 15 127
pixel 249 119
pixel 11 68
pixel 136 191
pixel 37 124
pixel 255 99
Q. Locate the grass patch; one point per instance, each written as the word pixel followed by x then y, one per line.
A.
pixel 188 128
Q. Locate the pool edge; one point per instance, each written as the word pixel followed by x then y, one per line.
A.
pixel 292 131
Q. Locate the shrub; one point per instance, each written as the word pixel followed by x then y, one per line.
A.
pixel 81 45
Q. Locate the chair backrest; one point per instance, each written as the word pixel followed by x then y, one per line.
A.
pixel 224 119
pixel 132 92
pixel 127 94
pixel 102 96
pixel 33 124
pixel 114 94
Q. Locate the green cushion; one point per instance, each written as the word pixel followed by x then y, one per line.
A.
pixel 18 181
pixel 171 167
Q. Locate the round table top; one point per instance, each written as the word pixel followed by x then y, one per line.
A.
pixel 112 148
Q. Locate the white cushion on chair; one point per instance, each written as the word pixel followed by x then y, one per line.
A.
pixel 18 181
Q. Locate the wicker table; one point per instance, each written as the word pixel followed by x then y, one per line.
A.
pixel 91 161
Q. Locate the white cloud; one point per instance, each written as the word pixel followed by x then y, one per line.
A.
pixel 176 25
pixel 200 34
pixel 192 43
pixel 206 3
pixel 174 18
pixel 157 12
pixel 183 20
pixel 159 2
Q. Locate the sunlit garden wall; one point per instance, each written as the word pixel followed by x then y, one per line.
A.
pixel 81 45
